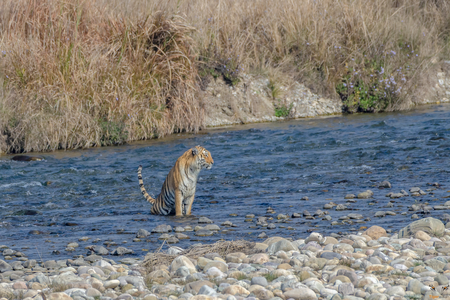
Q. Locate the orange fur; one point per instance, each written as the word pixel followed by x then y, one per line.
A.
pixel 178 191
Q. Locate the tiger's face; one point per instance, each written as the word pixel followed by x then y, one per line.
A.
pixel 204 158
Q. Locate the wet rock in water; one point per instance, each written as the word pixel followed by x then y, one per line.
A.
pixel 212 227
pixel 162 229
pixel 414 216
pixel 227 223
pixel 440 207
pixel 282 217
pixel 250 216
pixel 306 213
pixel 26 158
pixel 204 220
pixel 204 233
pixel 83 239
pixel 341 207
pixel 271 226
pixel 305 198
pixel 70 224
pixel 380 214
pixel 164 236
pixel 327 218
pixel 365 195
pixel 349 196
pixel 296 215
pixel 329 205
pixel 73 245
pixel 355 216
pixel 27 212
pixel 172 240
pixel 262 235
pixel 178 229
pixel 385 184
pixel 181 236
pixel 429 225
pixel 270 210
pixel 416 191
pixel 7 252
pixel 142 233
pixel 318 213
pixel 395 195
pixel 100 250
pixel 122 251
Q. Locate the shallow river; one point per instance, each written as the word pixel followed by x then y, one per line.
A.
pixel 95 193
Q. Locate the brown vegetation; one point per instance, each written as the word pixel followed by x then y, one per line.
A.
pixel 223 248
pixel 87 73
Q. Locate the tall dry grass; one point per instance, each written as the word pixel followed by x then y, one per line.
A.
pixel 86 73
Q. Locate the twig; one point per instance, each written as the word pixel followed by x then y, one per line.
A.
pixel 161 246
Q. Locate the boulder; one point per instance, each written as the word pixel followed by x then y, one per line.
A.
pixel 181 261
pixel 283 245
pixel 375 232
pixel 301 294
pixel 429 225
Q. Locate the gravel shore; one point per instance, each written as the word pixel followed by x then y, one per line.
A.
pixel 370 264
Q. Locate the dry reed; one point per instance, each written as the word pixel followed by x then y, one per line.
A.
pixel 87 73
pixel 223 248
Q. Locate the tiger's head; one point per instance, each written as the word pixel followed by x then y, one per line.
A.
pixel 203 157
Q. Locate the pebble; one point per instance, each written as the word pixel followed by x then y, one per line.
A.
pixel 142 233
pixel 204 220
pixel 385 184
pixel 162 229
pixel 372 264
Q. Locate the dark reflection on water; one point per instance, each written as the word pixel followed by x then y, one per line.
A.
pixel 95 192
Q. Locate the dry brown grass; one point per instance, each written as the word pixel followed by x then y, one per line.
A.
pixel 86 73
pixel 223 248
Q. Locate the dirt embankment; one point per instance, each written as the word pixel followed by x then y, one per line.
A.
pixel 251 100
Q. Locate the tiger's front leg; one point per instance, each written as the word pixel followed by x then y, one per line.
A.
pixel 191 200
pixel 178 203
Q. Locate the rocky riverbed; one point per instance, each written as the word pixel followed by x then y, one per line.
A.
pixel 369 264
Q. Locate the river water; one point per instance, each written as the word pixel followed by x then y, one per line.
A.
pixel 95 193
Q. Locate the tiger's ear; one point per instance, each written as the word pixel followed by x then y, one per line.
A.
pixel 194 151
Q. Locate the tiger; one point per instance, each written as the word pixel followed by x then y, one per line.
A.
pixel 178 191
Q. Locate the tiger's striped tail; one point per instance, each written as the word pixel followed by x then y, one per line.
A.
pixel 141 185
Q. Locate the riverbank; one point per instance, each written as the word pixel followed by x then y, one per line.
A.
pixel 251 100
pixel 368 264
pixel 88 74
